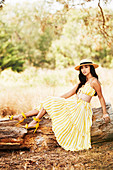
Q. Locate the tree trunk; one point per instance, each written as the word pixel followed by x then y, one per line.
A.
pixel 13 137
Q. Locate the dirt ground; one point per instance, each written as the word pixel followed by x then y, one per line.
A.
pixel 99 157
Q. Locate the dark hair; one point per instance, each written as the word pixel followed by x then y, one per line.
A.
pixel 82 78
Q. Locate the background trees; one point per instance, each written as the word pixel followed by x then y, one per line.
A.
pixel 10 54
pixel 33 35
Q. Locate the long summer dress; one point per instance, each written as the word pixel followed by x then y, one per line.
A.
pixel 71 119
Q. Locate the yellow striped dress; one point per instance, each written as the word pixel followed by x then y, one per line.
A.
pixel 71 119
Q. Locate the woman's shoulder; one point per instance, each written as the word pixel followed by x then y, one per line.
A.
pixel 95 82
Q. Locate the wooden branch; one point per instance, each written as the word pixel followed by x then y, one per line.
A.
pixel 100 131
pixel 102 14
pixel 103 17
pixel 12 137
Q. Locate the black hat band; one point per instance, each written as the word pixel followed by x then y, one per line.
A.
pixel 86 63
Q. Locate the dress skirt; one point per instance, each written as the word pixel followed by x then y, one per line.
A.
pixel 71 121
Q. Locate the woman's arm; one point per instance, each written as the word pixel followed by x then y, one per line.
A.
pixel 70 93
pixel 97 87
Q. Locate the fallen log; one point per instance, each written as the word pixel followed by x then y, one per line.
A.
pixel 13 137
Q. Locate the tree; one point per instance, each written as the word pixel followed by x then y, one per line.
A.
pixel 60 39
pixel 9 55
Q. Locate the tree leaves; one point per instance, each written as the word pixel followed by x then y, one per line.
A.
pixel 9 53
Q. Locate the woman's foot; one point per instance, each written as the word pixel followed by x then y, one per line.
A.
pixel 32 124
pixel 16 117
pixel 35 122
pixel 20 118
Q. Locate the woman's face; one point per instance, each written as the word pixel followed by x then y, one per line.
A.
pixel 85 69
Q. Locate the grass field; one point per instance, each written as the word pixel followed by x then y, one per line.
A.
pixel 21 92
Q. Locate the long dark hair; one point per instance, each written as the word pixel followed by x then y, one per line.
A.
pixel 82 78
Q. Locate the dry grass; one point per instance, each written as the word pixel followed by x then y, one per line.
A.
pixel 21 92
pixel 99 157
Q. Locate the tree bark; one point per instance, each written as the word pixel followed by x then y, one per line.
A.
pixel 13 137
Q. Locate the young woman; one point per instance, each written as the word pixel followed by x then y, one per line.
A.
pixel 72 114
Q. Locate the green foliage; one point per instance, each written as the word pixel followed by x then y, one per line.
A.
pixel 54 40
pixel 104 57
pixel 44 43
pixel 83 37
pixel 8 51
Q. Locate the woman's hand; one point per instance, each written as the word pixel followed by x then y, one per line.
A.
pixel 96 85
pixel 106 117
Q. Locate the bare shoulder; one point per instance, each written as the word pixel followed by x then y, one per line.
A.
pixel 95 83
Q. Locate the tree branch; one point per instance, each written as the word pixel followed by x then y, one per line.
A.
pixel 103 17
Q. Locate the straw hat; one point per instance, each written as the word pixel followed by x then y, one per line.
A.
pixel 86 62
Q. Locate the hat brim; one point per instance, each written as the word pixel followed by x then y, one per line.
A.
pixel 78 67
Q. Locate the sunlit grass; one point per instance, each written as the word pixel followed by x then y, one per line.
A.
pixel 21 92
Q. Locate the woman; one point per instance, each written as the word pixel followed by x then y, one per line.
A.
pixel 72 116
